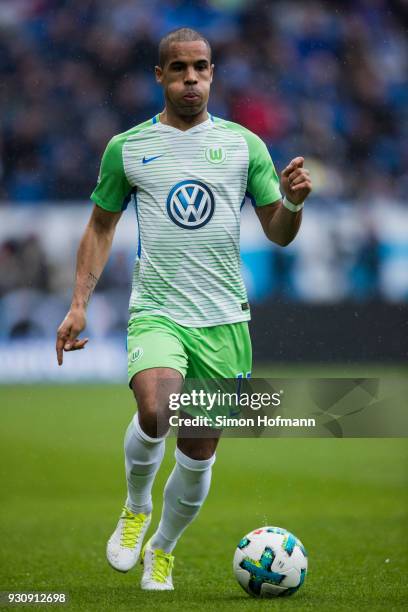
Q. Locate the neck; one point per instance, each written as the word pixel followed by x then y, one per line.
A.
pixel 169 117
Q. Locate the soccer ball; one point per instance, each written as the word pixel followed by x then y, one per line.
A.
pixel 270 562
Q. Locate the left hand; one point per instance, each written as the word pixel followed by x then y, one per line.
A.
pixel 295 181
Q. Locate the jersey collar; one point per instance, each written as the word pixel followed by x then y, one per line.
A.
pixel 196 128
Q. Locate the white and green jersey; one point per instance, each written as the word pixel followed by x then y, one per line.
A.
pixel 188 188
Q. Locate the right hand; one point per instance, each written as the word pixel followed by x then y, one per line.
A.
pixel 67 333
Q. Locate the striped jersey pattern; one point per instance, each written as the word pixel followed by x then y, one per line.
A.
pixel 188 188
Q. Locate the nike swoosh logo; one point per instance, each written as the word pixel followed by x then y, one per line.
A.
pixel 146 160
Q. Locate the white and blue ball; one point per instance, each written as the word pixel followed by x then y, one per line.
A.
pixel 270 562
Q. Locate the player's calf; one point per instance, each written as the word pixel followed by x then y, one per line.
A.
pixel 143 456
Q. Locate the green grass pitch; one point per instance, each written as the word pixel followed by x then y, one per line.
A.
pixel 62 487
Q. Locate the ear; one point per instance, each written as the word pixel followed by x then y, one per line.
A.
pixel 159 74
pixel 211 72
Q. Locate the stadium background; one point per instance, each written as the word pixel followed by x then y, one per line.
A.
pixel 326 80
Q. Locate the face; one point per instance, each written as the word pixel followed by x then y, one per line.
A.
pixel 186 77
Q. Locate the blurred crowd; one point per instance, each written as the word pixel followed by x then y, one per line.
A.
pixel 326 80
pixel 35 290
pixel 333 260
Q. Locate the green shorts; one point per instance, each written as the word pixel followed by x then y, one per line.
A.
pixel 221 351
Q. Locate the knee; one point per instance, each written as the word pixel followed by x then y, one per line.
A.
pixel 199 450
pixel 152 416
pixel 147 416
pixel 151 423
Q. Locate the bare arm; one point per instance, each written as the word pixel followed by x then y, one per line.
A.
pixel 93 253
pixel 278 222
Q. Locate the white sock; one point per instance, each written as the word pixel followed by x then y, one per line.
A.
pixel 184 494
pixel 143 456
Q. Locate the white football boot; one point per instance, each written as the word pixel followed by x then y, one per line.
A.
pixel 124 545
pixel 157 568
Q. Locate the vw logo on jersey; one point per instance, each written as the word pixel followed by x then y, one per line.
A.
pixel 190 204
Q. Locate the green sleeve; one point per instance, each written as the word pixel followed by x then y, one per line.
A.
pixel 113 190
pixel 263 180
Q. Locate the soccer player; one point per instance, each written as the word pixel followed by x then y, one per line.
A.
pixel 188 174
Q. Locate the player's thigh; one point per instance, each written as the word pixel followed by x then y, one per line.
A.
pixel 222 351
pixel 218 356
pixel 157 363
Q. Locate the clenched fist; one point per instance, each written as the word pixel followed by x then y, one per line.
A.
pixel 295 181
